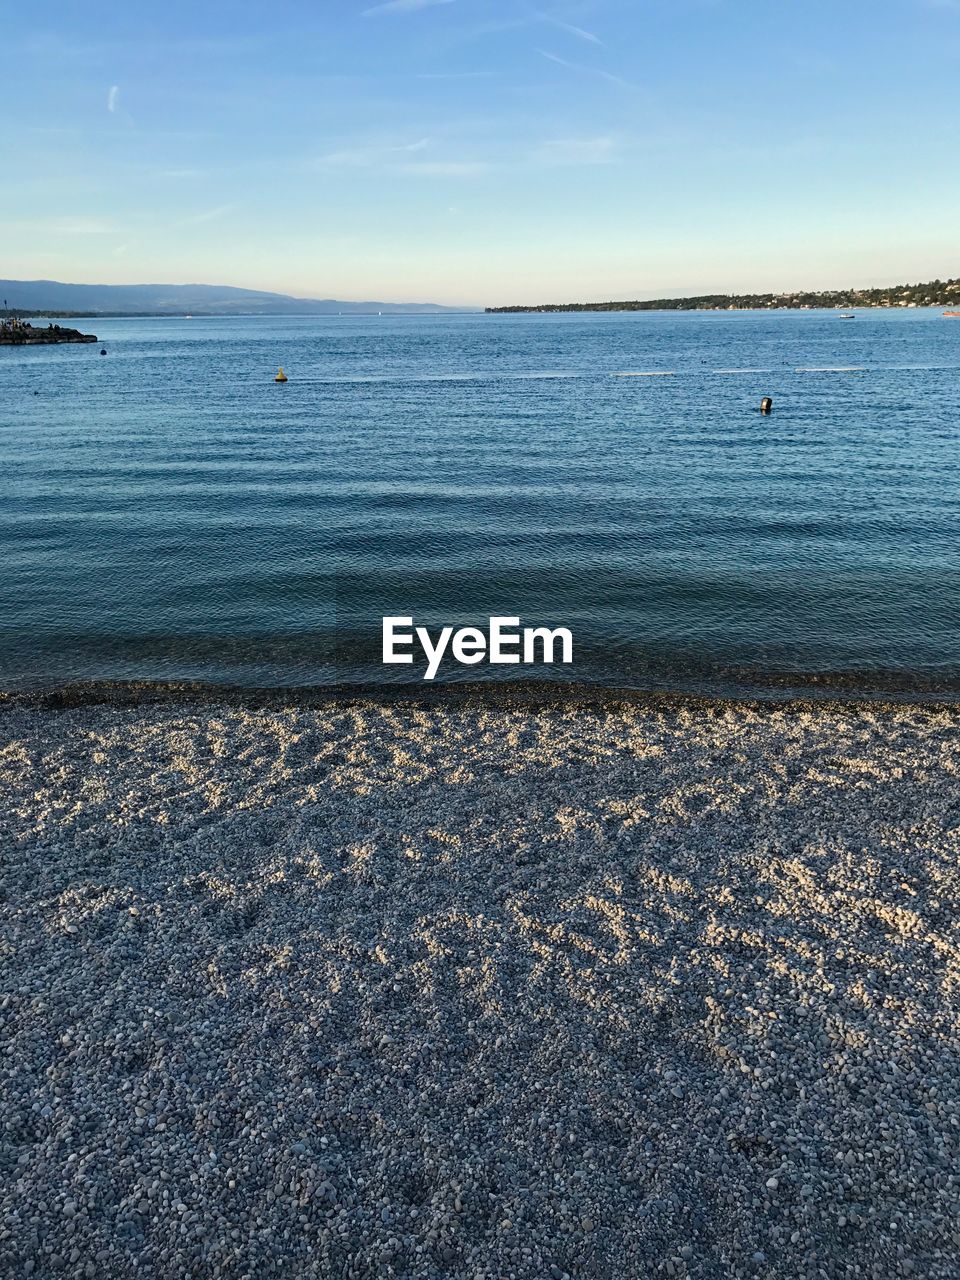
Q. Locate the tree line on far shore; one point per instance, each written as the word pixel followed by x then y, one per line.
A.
pixel 936 293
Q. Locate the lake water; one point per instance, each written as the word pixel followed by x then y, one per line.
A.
pixel 169 512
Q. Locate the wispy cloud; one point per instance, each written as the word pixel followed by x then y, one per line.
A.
pixel 445 168
pixel 573 151
pixel 61 226
pixel 206 215
pixel 403 157
pixel 455 75
pixel 561 62
pixel 113 97
pixel 365 157
pixel 532 18
pixel 402 6
pixel 345 158
pixel 584 70
pixel 83 227
pixel 570 29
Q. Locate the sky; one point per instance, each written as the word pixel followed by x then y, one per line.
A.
pixel 482 152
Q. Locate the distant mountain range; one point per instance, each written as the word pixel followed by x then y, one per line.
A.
pixel 47 296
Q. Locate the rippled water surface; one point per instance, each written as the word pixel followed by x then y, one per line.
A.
pixel 168 511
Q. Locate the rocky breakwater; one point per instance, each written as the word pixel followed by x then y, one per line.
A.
pixel 20 333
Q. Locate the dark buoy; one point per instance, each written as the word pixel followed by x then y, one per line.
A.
pixel 766 405
pixel 103 351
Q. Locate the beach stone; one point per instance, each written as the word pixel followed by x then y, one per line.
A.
pixel 462 988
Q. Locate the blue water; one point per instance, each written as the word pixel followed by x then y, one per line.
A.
pixel 169 512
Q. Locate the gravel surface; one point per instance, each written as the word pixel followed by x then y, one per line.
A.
pixel 412 990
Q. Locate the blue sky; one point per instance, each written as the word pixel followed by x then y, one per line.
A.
pixel 482 151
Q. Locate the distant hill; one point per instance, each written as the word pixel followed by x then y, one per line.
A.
pixel 46 296
pixel 936 293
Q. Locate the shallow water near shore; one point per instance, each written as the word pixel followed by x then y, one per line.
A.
pixel 169 513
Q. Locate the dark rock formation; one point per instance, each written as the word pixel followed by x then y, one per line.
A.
pixel 20 333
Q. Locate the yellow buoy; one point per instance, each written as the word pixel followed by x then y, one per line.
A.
pixel 281 376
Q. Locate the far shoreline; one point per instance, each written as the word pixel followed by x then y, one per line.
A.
pixel 559 309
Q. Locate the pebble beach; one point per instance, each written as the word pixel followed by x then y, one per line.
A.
pixel 598 988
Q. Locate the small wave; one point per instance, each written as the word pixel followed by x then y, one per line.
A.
pixel 827 368
pixel 645 373
pixel 404 379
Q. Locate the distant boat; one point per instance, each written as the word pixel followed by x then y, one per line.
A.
pixel 954 315
pixel 188 317
pixel 848 315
